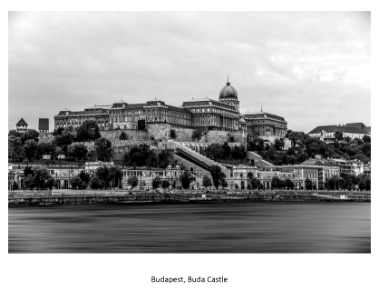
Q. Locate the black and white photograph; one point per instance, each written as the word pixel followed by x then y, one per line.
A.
pixel 189 133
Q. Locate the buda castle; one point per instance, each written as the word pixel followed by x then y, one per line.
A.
pixel 204 113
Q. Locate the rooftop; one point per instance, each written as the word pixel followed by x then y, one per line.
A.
pixel 43 124
pixel 261 114
pixel 334 128
pixel 22 122
pixel 228 92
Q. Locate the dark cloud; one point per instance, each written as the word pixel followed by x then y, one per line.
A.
pixel 311 68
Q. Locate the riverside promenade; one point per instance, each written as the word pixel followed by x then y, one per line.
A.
pixel 72 197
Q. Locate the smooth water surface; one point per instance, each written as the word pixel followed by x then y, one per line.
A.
pixel 186 228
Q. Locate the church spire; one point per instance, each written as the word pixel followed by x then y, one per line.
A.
pixel 228 83
pixel 261 108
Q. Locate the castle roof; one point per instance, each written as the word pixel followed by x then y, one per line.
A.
pixel 22 122
pixel 228 92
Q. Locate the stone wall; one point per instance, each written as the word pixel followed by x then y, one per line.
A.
pixel 220 137
pixel 184 134
pixel 132 135
pixel 158 131
pixel 239 137
pixel 162 132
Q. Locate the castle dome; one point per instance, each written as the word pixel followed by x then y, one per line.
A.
pixel 228 92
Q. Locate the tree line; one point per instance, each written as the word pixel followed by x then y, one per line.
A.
pixel 25 146
pixel 218 151
pixel 305 147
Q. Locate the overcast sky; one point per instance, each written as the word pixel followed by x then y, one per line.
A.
pixel 310 68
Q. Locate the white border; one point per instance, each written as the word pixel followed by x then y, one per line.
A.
pixel 252 276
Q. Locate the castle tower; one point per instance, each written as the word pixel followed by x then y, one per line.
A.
pixel 229 95
pixel 21 125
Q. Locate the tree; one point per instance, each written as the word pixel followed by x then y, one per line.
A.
pixel 349 181
pixel 156 182
pixel 186 178
pixel 96 183
pixel 214 151
pixel 50 183
pixel 279 144
pixel 347 139
pixel 77 151
pixel 103 149
pixel 45 148
pixel 332 183
pixel 256 144
pixel 114 176
pixel 28 171
pixel 255 183
pixel 165 184
pixel 30 134
pixel 197 134
pixel 85 178
pixel 39 179
pixel 144 156
pixel 362 185
pixel 338 135
pixel 217 175
pixel 207 182
pixel 366 149
pixel 88 131
pixel 77 183
pixel 123 136
pixel 165 158
pixel 289 184
pixel 173 134
pixel 275 182
pixel 295 136
pixel 30 150
pixel 226 150
pixel 224 184
pixel 102 173
pixel 63 141
pixel 14 185
pixel 58 131
pixel 238 152
pixel 15 133
pixel 368 183
pixel 308 184
pixel 133 181
pixel 28 182
pixel 366 139
pixel 15 148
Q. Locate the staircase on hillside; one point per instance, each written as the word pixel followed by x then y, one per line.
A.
pixel 197 156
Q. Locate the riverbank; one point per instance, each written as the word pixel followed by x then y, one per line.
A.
pixel 41 198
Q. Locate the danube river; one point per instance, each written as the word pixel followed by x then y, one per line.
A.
pixel 263 227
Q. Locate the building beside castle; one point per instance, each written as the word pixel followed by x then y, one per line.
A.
pixel 43 125
pixel 352 130
pixel 203 113
pixel 21 125
pixel 266 124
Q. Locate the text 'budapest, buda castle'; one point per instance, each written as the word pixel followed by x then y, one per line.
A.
pixel 203 113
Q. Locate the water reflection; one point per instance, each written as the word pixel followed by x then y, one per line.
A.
pixel 187 228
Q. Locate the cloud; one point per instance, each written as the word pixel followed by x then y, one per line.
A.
pixel 311 68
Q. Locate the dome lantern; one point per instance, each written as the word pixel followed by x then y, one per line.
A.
pixel 228 92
